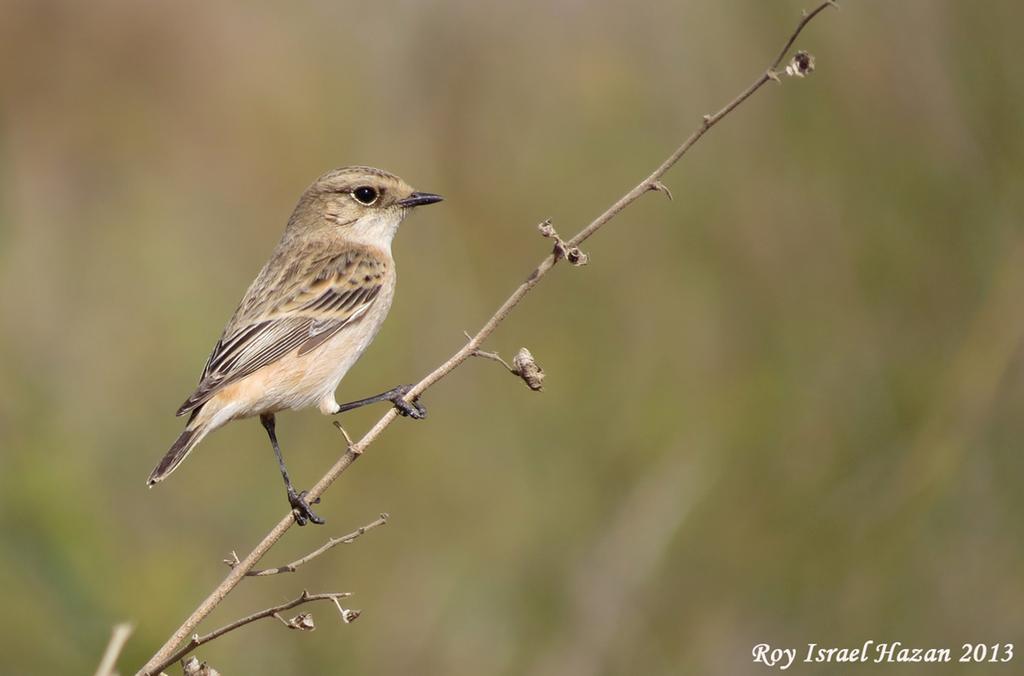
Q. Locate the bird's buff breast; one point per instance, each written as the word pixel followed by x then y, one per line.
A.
pixel 295 382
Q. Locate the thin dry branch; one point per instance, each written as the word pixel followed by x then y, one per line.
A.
pixel 330 544
pixel 651 183
pixel 299 622
pixel 118 637
pixel 494 356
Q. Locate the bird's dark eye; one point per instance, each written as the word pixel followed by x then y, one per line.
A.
pixel 364 194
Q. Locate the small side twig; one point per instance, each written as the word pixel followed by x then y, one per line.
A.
pixel 330 544
pixel 118 637
pixel 494 356
pixel 523 366
pixel 347 616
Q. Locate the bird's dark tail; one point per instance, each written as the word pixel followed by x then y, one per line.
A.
pixel 178 452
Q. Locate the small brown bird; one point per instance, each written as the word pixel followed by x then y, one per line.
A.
pixel 311 312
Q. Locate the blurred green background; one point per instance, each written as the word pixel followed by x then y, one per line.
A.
pixel 785 407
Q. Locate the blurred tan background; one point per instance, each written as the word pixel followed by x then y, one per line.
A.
pixel 786 407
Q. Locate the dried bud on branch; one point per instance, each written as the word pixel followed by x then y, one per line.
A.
pixel 524 366
pixel 348 615
pixel 801 65
pixel 191 666
pixel 302 622
pixel 576 257
pixel 547 230
pixel 572 254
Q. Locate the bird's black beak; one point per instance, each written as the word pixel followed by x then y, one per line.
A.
pixel 418 199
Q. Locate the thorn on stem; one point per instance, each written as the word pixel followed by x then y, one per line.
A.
pixel 658 186
pixel 348 439
pixel 772 75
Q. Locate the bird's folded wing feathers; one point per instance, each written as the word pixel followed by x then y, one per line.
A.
pixel 300 310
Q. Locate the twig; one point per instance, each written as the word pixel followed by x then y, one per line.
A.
pixel 493 356
pixel 118 637
pixel 295 623
pixel 523 366
pixel 653 181
pixel 331 543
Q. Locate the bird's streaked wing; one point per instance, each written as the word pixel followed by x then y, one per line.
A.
pixel 299 310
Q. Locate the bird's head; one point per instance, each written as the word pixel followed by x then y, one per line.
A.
pixel 362 204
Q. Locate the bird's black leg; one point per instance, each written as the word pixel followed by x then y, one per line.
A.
pixel 297 500
pixel 414 410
